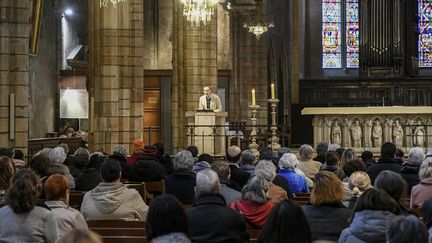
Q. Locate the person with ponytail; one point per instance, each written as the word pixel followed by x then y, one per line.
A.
pixel 6 172
pixel 21 220
pixel 359 182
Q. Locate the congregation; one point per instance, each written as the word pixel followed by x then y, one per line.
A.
pixel 350 197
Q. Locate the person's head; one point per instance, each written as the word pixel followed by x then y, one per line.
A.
pixel 233 154
pixel 23 193
pixel 282 151
pixel 166 216
pixel 198 166
pixel 95 161
pixel 367 156
pixel 267 154
pixel 321 148
pixel 207 181
pixel 110 170
pixel 194 150
pixel 353 165
pixel 56 188
pixel 184 161
pixel 65 147
pixel 255 190
pixel 327 189
pixel 80 236
pixel 6 172
pixel 332 158
pixel 416 156
pixel 426 168
pixel 7 152
pixel 359 182
pixel 120 150
pixel 247 157
pixel 18 154
pixel 40 164
pixel 286 223
pixel 347 155
pixel 392 183
pixel 427 213
pixel 57 155
pixel 340 151
pixel 333 147
pixel 206 157
pixel 388 150
pixel 222 169
pixel 207 91
pixel 407 229
pixel 82 152
pixel 137 144
pixel 266 169
pixel 160 147
pixel 288 161
pixel 149 150
pixel 376 199
pixel 306 152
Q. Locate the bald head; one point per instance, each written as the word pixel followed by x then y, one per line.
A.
pixel 233 154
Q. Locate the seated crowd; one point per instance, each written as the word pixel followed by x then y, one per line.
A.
pixel 337 196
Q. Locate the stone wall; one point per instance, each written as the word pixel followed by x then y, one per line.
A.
pixel 15 19
pixel 116 74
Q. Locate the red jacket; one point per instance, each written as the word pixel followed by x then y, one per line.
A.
pixel 255 214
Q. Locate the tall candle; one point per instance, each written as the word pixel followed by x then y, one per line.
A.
pixel 253 97
pixel 273 96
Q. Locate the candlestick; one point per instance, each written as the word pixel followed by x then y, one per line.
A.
pixel 253 97
pixel 274 145
pixel 273 94
pixel 253 146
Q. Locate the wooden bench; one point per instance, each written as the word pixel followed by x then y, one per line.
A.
pixel 119 231
pixel 75 199
pixel 301 198
pixel 140 187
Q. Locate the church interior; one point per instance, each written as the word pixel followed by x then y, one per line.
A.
pixel 245 120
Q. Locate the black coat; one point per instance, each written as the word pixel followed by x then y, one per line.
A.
pixel 327 222
pixel 383 164
pixel 88 179
pixel 410 173
pixel 126 168
pixel 281 182
pixel 210 220
pixel 147 168
pixel 181 184
pixel 239 176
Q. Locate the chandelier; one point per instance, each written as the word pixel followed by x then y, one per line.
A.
pixel 258 27
pixel 106 3
pixel 198 11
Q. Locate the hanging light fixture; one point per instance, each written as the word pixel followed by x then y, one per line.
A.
pixel 257 26
pixel 107 3
pixel 198 12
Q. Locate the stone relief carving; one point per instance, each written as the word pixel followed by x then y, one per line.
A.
pixel 336 134
pixel 397 134
pixel 377 133
pixel 356 134
pixel 419 134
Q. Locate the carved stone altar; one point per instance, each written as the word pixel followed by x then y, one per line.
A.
pixel 368 127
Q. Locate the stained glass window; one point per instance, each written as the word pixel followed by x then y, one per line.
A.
pixel 425 33
pixel 335 26
pixel 331 33
pixel 352 34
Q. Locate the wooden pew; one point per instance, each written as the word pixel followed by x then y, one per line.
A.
pixel 75 199
pixel 301 198
pixel 140 187
pixel 119 231
pixel 154 189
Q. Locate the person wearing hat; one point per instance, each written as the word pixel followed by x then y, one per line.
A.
pixel 147 167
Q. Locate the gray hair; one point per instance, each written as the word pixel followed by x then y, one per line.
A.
pixel 247 157
pixel 256 190
pixel 333 147
pixel 64 146
pixel 57 155
pixel 120 150
pixel 184 161
pixel 266 169
pixel 207 181
pixel 416 156
pixel 306 152
pixel 81 152
pixel 45 152
pixel 426 168
pixel 322 148
pixel 288 161
pixel 347 155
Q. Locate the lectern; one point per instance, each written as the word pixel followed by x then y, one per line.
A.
pixel 209 131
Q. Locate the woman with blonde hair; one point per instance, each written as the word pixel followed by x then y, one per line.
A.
pixel 359 182
pixel 326 214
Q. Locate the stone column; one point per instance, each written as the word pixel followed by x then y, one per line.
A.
pixel 116 74
pixel 367 143
pixel 194 66
pixel 15 23
pixel 317 124
pixel 249 65
pixel 346 140
pixel 409 132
